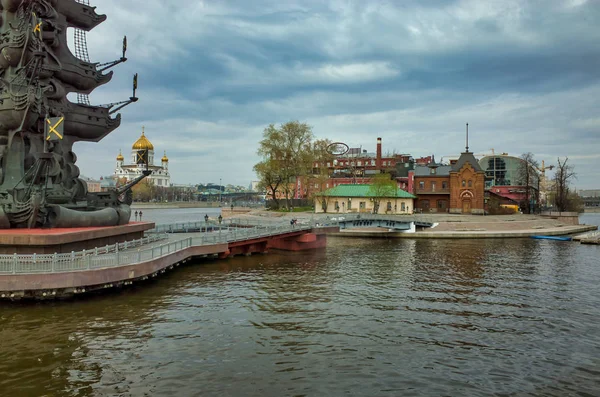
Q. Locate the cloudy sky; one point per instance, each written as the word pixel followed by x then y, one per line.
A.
pixel 213 74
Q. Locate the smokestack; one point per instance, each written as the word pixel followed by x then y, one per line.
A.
pixel 378 161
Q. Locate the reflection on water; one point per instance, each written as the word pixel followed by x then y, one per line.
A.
pixel 363 317
pixel 592 218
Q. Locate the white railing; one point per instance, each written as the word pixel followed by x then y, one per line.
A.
pixel 350 217
pixel 125 254
pixel 314 221
pixel 590 235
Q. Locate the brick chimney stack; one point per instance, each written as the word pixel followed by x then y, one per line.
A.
pixel 378 161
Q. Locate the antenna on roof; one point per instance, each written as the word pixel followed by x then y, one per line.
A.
pixel 467 137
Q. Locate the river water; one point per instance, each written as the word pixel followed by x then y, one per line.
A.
pixel 505 317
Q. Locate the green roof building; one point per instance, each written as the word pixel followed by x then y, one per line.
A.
pixel 362 199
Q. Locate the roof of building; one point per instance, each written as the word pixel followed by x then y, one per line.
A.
pixel 136 167
pixel 142 143
pixel 590 193
pixel 120 156
pixel 361 191
pixel 425 170
pixel 107 182
pixel 466 157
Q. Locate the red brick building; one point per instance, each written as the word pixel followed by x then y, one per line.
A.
pixel 455 188
pixel 467 186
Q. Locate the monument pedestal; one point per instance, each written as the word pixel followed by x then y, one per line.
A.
pixel 63 240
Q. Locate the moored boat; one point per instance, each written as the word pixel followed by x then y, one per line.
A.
pixel 559 238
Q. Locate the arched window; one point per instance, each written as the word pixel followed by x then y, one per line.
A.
pixel 464 183
pixel 470 183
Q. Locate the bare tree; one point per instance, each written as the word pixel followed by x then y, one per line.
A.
pixel 562 179
pixel 529 178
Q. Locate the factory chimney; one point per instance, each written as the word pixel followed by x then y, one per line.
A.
pixel 378 160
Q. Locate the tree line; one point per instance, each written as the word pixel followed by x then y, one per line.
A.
pixel 289 151
pixel 560 193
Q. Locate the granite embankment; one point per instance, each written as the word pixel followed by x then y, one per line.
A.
pixel 447 225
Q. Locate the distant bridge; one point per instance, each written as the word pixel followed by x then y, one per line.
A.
pixel 404 223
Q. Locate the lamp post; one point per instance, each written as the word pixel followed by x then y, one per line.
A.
pixel 220 189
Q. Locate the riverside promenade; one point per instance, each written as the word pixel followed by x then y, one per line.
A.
pixel 43 276
pixel 49 276
pixel 446 225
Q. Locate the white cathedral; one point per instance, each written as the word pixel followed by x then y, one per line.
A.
pixel 141 149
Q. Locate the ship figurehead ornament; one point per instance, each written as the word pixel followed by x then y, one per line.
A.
pixel 39 178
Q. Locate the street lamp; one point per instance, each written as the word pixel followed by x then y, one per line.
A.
pixel 220 189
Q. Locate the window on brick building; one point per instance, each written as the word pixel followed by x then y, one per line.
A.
pixel 444 185
pixel 464 183
pixel 470 183
pixel 433 186
pixel 421 185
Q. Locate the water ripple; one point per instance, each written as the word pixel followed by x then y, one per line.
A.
pixel 363 317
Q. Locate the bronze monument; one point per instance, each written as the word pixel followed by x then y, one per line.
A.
pixel 39 181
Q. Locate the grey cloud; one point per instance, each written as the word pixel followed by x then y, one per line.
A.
pixel 214 74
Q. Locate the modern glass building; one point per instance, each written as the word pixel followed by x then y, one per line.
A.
pixel 503 170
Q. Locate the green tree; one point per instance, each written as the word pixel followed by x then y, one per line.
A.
pixel 270 178
pixel 317 180
pixel 287 153
pixel 382 185
pixel 143 191
pixel 529 177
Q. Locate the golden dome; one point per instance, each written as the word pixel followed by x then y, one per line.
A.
pixel 165 159
pixel 120 156
pixel 142 143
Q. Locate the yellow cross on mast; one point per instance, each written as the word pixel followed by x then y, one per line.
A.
pixel 52 129
pixel 38 25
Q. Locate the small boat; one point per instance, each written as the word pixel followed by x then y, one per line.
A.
pixel 559 238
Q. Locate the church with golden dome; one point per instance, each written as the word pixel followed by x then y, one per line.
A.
pixel 142 152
